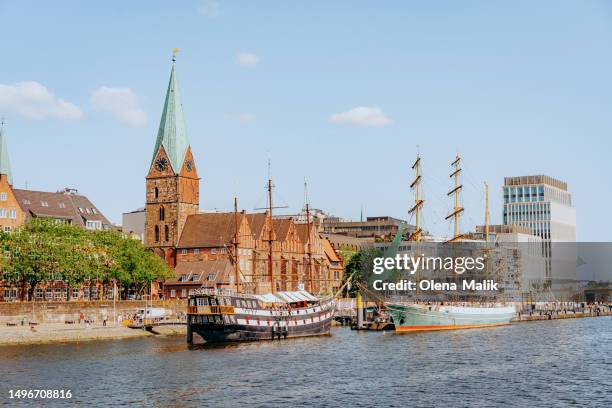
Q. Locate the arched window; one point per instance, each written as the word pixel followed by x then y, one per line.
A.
pixel 166 233
pixel 156 192
pixel 162 214
pixel 156 233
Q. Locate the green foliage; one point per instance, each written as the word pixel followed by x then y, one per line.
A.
pixel 360 266
pixel 346 252
pixel 44 250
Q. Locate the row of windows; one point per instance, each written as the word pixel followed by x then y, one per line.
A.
pixel 195 277
pixel 523 194
pixel 229 319
pixel 93 225
pixel 43 203
pixel 82 210
pixel 527 212
pixel 183 292
pixel 12 213
pixel 57 293
pixel 536 193
pixel 245 304
pixel 196 251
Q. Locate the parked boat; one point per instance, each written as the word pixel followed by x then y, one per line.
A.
pixel 422 317
pixel 219 316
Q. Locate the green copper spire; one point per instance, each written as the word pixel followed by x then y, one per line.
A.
pixel 172 132
pixel 5 163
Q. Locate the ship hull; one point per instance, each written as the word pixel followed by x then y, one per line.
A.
pixel 419 318
pixel 233 333
pixel 220 319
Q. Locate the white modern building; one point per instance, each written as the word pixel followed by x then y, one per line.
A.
pixel 543 204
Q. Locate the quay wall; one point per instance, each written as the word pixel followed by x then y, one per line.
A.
pixel 60 312
pixel 554 315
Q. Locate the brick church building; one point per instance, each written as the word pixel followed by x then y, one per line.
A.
pixel 223 250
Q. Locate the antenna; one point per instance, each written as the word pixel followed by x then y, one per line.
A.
pixel 457 210
pixel 269 168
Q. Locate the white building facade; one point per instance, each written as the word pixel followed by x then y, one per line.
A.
pixel 544 205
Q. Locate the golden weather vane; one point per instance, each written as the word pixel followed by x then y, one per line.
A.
pixel 175 51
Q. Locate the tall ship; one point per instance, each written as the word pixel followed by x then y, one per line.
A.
pixel 219 316
pixel 417 316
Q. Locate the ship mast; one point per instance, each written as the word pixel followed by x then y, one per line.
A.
pixel 236 270
pixel 309 247
pixel 270 239
pixel 457 210
pixel 270 234
pixel 418 202
pixel 487 215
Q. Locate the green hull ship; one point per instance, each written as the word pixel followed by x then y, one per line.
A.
pixel 418 317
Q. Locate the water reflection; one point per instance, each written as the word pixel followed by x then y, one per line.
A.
pixel 556 363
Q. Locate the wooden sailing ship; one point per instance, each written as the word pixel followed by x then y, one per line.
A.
pixel 227 316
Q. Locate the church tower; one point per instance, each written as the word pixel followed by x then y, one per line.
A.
pixel 172 181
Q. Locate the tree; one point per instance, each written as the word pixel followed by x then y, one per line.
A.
pixel 44 250
pixel 360 266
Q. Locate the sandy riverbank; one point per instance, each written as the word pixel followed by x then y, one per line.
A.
pixel 61 333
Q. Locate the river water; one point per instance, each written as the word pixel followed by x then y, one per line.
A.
pixel 551 363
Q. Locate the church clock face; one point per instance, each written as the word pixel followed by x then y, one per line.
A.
pixel 189 165
pixel 161 164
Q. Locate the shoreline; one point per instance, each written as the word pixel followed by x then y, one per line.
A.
pixel 53 333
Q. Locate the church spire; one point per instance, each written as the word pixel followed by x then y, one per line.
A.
pixel 172 134
pixel 5 163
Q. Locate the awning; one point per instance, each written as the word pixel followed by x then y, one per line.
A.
pixel 287 297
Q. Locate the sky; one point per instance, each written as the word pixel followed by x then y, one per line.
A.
pixel 339 93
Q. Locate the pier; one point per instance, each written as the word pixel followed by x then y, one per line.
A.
pixel 563 314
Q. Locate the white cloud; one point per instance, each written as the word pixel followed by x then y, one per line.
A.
pixel 209 9
pixel 362 116
pixel 244 117
pixel 247 59
pixel 122 103
pixel 33 100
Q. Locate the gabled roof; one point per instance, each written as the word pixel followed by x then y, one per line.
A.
pixel 172 132
pixel 257 222
pixel 211 230
pixel 302 231
pixel 198 272
pixel 5 164
pixel 281 228
pixel 330 252
pixel 66 204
